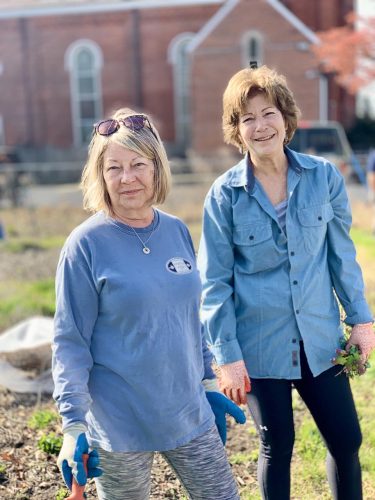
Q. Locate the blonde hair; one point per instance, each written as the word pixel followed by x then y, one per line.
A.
pixel 145 142
pixel 246 84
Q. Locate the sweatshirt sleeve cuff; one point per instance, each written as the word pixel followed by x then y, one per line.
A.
pixel 210 384
pixel 75 429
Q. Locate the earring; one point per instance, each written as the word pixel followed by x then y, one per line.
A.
pixel 286 140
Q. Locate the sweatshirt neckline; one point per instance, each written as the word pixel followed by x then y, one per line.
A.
pixel 142 230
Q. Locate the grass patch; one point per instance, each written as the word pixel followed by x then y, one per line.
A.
pixel 365 246
pixel 309 443
pixel 244 458
pixel 19 245
pixel 363 388
pixel 364 240
pixel 19 300
pixel 245 495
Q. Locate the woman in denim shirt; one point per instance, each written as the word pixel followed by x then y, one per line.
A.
pixel 275 258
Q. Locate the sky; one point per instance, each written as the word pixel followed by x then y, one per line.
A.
pixel 367 95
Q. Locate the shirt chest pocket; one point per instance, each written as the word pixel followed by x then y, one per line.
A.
pixel 314 225
pixel 255 249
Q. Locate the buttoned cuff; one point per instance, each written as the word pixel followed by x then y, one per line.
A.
pixel 358 312
pixel 227 352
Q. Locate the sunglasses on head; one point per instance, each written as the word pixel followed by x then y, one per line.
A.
pixel 133 122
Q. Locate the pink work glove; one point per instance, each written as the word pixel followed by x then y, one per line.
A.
pixel 362 336
pixel 234 381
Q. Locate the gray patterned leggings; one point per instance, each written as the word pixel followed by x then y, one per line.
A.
pixel 200 465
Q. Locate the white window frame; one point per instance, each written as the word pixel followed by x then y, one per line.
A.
pixel 246 56
pixel 2 131
pixel 181 86
pixel 75 96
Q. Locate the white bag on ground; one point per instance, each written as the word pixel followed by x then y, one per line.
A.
pixel 25 356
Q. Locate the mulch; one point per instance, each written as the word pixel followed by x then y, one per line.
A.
pixel 30 473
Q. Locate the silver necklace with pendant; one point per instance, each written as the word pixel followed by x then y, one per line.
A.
pixel 146 250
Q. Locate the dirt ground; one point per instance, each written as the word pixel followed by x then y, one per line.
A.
pixel 33 474
pixel 30 473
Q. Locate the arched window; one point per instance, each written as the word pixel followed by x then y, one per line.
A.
pixel 84 61
pixel 179 58
pixel 252 48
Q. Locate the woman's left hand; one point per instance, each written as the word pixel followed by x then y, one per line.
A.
pixel 222 406
pixel 362 336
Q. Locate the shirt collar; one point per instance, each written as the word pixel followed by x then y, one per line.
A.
pixel 243 175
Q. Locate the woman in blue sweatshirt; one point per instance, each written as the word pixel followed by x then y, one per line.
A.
pixel 132 373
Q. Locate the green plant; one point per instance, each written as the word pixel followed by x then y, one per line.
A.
pixel 41 419
pixel 50 443
pixel 12 231
pixel 349 359
pixel 62 493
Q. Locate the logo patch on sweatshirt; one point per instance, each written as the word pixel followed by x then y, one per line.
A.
pixel 178 265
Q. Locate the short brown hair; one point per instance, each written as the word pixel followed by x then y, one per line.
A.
pixel 145 142
pixel 248 83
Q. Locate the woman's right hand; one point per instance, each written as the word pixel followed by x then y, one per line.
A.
pixel 234 381
pixel 362 336
pixel 70 459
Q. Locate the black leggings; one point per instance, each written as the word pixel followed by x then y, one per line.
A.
pixel 330 401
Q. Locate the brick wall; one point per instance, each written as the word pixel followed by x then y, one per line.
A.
pixel 32 52
pixel 35 99
pixel 211 71
pixel 12 83
pixel 320 15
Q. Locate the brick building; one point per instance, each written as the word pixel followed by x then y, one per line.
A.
pixel 63 65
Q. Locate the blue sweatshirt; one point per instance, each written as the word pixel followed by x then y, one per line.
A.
pixel 128 354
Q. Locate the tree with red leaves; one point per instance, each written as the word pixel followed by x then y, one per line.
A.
pixel 349 52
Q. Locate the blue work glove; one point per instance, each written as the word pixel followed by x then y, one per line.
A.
pixel 70 460
pixel 222 406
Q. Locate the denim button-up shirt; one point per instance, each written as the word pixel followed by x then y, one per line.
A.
pixel 265 289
